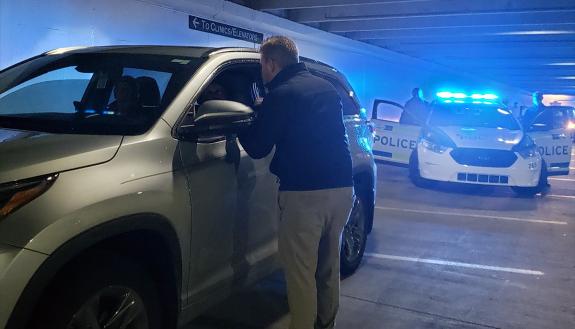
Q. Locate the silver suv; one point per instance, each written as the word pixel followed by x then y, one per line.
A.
pixel 125 199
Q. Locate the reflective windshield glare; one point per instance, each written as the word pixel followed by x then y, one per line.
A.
pixel 472 115
pixel 110 93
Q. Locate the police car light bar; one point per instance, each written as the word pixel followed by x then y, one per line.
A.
pixel 484 96
pixel 451 97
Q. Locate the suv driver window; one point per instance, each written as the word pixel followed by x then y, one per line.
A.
pixel 236 83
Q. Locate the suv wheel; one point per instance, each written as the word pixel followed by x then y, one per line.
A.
pixel 354 238
pixel 110 294
pixel 112 307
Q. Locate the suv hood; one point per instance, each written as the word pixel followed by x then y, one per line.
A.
pixel 25 154
pixel 486 138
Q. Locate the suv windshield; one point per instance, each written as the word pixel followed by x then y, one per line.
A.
pixel 91 93
pixel 472 115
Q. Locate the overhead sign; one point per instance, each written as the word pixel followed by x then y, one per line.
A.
pixel 206 25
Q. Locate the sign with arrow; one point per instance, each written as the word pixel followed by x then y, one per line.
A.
pixel 206 25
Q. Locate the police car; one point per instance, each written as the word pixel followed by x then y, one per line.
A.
pixel 470 138
pixel 564 116
pixel 554 138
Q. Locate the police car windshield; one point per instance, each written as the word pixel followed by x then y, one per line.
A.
pixel 472 115
pixel 99 93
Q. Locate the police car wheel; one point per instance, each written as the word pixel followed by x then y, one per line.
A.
pixel 414 174
pixel 354 238
pixel 532 191
pixel 526 191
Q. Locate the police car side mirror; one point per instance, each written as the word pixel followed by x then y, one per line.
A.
pixel 218 118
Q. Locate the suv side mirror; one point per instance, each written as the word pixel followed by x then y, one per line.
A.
pixel 217 118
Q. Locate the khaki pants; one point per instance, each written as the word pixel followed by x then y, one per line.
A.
pixel 309 246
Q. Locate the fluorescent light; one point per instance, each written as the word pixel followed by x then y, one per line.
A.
pixel 566 78
pixel 542 32
pixel 562 64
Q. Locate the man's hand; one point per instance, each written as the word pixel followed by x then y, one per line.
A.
pixel 258 101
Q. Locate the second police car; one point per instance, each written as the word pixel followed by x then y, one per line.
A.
pixel 473 139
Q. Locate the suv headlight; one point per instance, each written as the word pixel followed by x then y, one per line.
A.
pixel 526 147
pixel 436 141
pixel 17 194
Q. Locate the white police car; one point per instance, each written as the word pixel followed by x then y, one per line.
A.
pixel 563 116
pixel 470 139
pixel 554 139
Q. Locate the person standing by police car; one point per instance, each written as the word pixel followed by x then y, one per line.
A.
pixel 302 117
pixel 416 109
pixel 538 113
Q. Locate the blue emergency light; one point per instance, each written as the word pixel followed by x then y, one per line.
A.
pixel 461 98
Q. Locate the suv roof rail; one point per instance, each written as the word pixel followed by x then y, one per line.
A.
pixel 309 60
pixel 216 51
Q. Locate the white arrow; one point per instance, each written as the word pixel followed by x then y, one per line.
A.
pixel 195 22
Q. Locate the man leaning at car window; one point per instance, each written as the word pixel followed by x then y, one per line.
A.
pixel 302 117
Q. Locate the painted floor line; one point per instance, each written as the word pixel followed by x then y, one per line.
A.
pixel 562 179
pixel 475 216
pixel 561 196
pixel 407 309
pixel 456 264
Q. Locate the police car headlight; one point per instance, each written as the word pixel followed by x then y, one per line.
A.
pixel 433 147
pixel 16 195
pixel 436 141
pixel 526 147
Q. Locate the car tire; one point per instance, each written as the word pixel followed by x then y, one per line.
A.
pixel 110 290
pixel 415 175
pixel 529 192
pixel 354 238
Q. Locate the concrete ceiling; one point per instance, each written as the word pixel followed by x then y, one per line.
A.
pixel 528 44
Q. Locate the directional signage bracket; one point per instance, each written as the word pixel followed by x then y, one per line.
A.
pixel 206 25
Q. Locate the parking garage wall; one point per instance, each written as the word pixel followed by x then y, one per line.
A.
pixel 30 27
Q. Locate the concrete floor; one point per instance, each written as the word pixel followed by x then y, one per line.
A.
pixel 447 257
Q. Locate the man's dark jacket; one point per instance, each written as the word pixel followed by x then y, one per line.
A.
pixel 302 117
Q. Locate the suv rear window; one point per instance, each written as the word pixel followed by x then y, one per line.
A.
pixel 348 102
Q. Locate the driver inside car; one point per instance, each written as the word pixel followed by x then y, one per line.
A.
pixel 126 97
